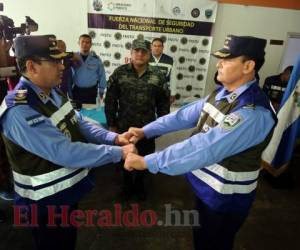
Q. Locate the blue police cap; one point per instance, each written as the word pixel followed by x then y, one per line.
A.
pixel 42 46
pixel 235 46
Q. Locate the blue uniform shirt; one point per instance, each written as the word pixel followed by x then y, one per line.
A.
pixel 89 73
pixel 250 126
pixel 43 139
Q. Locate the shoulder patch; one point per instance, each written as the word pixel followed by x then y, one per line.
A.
pixel 34 120
pixel 231 121
pixel 21 96
pixel 42 96
pixel 233 96
pixel 249 106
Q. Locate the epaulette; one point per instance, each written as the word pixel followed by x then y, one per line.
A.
pixel 21 96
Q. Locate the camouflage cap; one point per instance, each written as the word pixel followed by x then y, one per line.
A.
pixel 43 46
pixel 141 44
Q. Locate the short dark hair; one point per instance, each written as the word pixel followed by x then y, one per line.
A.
pixel 158 39
pixel 21 62
pixel 258 62
pixel 85 36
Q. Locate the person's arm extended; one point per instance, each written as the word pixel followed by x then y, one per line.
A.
pixel 46 141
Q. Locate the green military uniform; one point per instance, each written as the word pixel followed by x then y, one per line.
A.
pixel 133 101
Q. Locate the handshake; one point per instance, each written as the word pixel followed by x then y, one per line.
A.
pixel 130 154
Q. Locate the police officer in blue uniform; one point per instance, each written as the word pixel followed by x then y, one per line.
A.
pixel 89 80
pixel 221 158
pixel 49 146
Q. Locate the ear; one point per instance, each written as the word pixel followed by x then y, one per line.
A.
pixel 31 67
pixel 249 66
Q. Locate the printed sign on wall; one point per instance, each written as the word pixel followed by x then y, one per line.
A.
pixel 185 26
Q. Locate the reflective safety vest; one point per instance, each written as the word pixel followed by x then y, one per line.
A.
pixel 229 185
pixel 38 180
pixel 165 64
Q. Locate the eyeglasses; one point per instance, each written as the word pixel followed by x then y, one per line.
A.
pixel 54 61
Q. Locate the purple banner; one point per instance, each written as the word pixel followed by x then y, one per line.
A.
pixel 149 24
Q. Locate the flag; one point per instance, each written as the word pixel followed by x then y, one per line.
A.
pixel 276 156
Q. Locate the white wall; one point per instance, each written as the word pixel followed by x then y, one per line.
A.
pixel 67 19
pixel 268 23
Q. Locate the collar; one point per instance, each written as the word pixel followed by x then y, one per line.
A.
pixel 40 93
pixel 87 56
pixel 235 94
pixel 155 58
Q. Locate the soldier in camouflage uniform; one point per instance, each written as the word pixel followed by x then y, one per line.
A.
pixel 137 94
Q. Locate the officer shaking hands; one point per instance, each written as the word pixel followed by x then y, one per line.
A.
pixel 221 158
pixel 49 146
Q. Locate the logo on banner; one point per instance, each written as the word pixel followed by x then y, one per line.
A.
pixel 118 36
pixel 106 44
pixel 200 77
pixel 176 11
pixel 202 61
pixel 97 4
pixel 117 56
pixel 106 63
pixel 208 13
pixel 189 88
pixel 173 48
pixel 184 40
pixel 119 6
pixel 181 59
pixel 140 37
pixel 110 6
pixel 192 68
pixel 179 76
pixel 163 38
pixel 195 12
pixel 194 50
pixel 128 45
pixel 92 34
pixel 205 42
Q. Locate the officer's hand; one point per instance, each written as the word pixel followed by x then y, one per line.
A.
pixel 134 162
pixel 137 134
pixel 123 139
pixel 130 148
